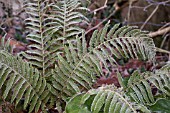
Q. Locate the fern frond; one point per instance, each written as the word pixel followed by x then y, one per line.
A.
pixel 166 68
pixel 140 90
pixel 66 15
pixel 140 85
pixel 39 53
pixel 23 81
pixel 161 79
pixel 5 44
pixel 81 64
pixel 108 99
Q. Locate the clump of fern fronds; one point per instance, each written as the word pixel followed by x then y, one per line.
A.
pixel 51 25
pixel 55 68
pixel 81 65
pixel 136 96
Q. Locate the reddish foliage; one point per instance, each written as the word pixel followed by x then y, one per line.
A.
pixel 104 80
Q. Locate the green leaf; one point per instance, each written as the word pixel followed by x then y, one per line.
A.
pixel 161 106
pixel 74 105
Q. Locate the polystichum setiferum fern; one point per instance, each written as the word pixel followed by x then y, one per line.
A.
pixel 38 54
pixel 66 16
pixel 82 64
pixel 139 85
pixel 137 96
pixel 107 99
pixel 78 64
pixel 23 81
pixel 50 28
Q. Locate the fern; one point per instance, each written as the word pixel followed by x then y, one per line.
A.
pixel 23 81
pixel 107 99
pixel 55 67
pixel 140 85
pixel 161 80
pixel 166 68
pixel 143 87
pixel 5 45
pixel 66 16
pixel 42 23
pixel 110 99
pixel 82 64
pixel 39 54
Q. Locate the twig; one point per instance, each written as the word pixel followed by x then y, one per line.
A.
pixel 100 8
pixel 164 26
pixel 129 11
pixel 116 9
pixel 95 27
pixel 164 39
pixel 162 50
pixel 151 15
pixel 160 32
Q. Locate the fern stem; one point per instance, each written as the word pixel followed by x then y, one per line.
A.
pixel 42 42
pixel 64 29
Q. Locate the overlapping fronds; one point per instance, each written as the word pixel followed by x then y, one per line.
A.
pixel 108 99
pixel 140 89
pixel 22 81
pixel 66 14
pixel 161 80
pixel 39 54
pixel 82 63
pixel 140 85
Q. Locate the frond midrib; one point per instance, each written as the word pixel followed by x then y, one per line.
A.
pixel 42 40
